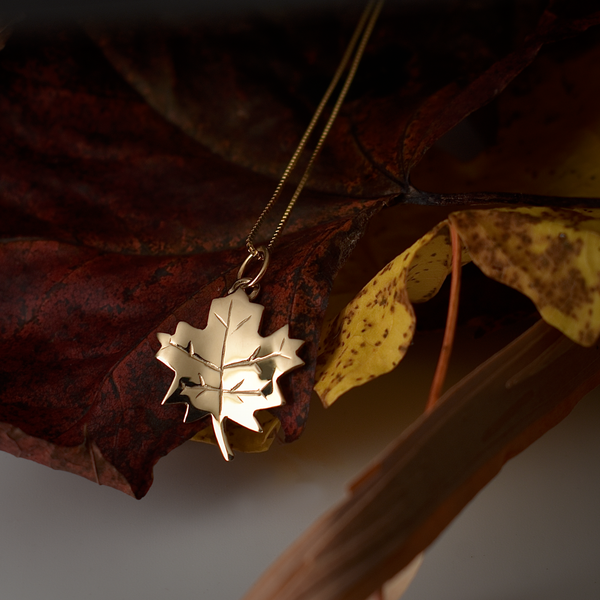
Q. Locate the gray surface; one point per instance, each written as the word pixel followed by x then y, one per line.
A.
pixel 207 529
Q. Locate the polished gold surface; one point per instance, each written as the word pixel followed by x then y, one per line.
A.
pixel 227 370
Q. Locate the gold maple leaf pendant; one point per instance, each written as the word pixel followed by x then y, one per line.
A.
pixel 227 370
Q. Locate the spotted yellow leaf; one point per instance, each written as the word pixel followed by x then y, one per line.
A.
pixel 245 440
pixel 550 255
pixel 372 334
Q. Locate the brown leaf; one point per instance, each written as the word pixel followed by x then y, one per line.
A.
pixel 115 226
pixel 435 468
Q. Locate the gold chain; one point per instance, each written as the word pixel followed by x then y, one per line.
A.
pixel 362 32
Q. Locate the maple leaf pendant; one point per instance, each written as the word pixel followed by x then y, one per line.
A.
pixel 227 370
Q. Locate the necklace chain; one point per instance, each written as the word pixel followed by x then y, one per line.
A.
pixel 277 353
pixel 362 32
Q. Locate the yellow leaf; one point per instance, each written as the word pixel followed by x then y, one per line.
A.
pixel 550 255
pixel 242 439
pixel 372 334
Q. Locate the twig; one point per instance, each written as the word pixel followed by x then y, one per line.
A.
pixel 444 359
pixel 491 199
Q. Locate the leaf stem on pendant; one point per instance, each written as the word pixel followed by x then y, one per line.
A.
pixel 221 436
pixel 254 361
pixel 196 357
pixel 444 358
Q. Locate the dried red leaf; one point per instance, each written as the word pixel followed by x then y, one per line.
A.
pixel 117 222
pixel 116 226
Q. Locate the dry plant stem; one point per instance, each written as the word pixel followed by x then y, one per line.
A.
pixel 486 199
pixel 434 469
pixel 442 366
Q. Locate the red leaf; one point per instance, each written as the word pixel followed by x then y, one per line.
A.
pixel 117 223
pixel 116 226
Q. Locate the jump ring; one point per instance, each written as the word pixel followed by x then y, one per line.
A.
pixel 244 283
pixel 265 258
pixel 240 283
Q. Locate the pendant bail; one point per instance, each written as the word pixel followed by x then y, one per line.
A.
pixel 252 283
pixel 262 254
